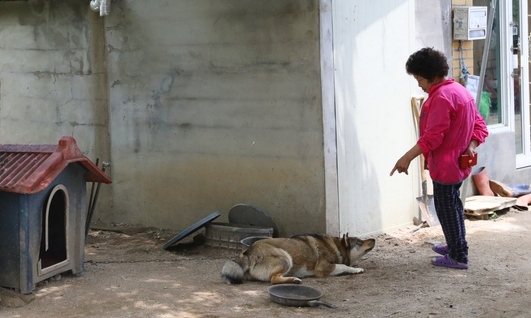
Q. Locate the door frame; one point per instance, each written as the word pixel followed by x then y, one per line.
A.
pixel 329 118
pixel 524 159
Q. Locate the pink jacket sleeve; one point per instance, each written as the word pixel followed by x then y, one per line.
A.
pixel 480 132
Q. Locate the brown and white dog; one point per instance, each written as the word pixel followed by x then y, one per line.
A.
pixel 286 260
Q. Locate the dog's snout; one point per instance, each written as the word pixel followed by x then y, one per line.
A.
pixel 370 244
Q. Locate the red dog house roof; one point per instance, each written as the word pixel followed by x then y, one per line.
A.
pixel 28 169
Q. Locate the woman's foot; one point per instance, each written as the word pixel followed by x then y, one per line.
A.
pixel 446 261
pixel 440 249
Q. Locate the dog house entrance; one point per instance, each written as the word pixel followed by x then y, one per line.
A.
pixel 54 250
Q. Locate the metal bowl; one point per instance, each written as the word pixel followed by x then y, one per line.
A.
pixel 297 295
pixel 248 241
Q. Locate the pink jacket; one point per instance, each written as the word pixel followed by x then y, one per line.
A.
pixel 449 120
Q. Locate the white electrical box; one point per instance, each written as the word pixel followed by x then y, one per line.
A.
pixel 470 23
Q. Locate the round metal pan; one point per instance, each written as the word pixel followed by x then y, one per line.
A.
pixel 297 295
pixel 248 241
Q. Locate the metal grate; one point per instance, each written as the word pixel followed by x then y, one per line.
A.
pixel 228 235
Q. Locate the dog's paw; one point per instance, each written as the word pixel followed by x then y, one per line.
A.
pixel 285 280
pixel 357 270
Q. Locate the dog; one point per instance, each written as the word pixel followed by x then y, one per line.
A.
pixel 286 260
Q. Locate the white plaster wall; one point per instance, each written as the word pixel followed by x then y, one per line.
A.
pixel 433 26
pixel 372 41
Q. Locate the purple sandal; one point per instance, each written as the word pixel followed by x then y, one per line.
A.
pixel 446 261
pixel 440 249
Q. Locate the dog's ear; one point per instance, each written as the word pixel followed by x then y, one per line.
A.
pixel 345 240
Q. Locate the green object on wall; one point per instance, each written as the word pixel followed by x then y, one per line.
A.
pixel 484 105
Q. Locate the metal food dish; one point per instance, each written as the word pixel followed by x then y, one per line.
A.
pixel 297 295
pixel 248 241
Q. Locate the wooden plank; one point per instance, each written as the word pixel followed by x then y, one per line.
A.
pixel 483 217
pixel 480 204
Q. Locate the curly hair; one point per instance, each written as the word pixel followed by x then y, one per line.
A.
pixel 428 63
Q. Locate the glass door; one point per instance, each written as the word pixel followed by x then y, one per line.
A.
pixel 495 89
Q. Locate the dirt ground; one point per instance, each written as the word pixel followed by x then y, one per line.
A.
pixel 129 274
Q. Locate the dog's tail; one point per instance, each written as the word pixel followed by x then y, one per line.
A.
pixel 233 272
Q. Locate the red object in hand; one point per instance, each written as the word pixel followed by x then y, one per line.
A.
pixel 467 161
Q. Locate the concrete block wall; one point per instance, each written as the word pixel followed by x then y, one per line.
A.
pixel 50 84
pixel 215 103
pixel 199 105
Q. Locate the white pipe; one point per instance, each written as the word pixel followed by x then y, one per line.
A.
pixel 103 6
pixel 95 5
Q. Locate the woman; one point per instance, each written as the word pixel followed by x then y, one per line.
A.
pixel 450 126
